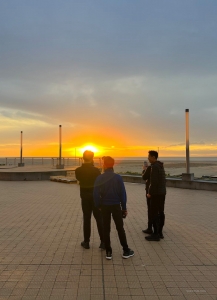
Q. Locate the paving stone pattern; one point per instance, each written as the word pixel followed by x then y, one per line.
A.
pixel 41 256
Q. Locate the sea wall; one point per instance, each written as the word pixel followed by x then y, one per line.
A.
pixel 178 183
pixel 30 176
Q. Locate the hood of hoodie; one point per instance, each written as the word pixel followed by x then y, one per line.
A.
pixel 159 164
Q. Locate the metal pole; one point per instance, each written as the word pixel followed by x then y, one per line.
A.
pixel 60 144
pixel 21 147
pixel 187 141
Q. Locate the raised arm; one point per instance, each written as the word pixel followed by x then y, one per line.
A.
pixel 146 173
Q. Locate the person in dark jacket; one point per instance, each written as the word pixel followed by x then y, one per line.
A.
pixel 86 175
pixel 110 198
pixel 156 194
pixel 146 173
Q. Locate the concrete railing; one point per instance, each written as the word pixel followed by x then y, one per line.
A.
pixel 178 183
pixel 46 161
pixel 40 161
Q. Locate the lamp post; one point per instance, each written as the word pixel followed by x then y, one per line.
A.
pixel 21 164
pixel 187 141
pixel 187 176
pixel 60 165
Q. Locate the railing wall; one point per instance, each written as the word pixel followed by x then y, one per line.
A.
pixel 45 161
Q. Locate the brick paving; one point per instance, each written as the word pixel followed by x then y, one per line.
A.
pixel 41 256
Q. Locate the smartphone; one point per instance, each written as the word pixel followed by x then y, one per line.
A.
pixel 145 164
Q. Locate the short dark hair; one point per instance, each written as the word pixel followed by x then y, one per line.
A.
pixel 153 153
pixel 88 156
pixel 108 161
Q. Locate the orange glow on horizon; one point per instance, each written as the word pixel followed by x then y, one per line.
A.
pixel 102 145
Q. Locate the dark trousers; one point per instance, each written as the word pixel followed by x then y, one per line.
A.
pixel 148 200
pixel 115 211
pixel 88 208
pixel 157 212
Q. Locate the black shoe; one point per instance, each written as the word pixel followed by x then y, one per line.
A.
pixel 153 237
pixel 85 245
pixel 108 255
pixel 161 235
pixel 102 245
pixel 148 231
pixel 128 253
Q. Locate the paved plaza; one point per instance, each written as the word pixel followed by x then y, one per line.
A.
pixel 41 256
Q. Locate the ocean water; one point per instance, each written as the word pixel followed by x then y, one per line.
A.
pixel 172 158
pixel 200 166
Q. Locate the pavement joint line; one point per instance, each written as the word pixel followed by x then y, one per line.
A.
pixel 103 278
pixel 115 264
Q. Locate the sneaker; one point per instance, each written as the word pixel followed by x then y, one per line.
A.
pixel 108 255
pixel 148 231
pixel 128 253
pixel 153 237
pixel 161 235
pixel 102 245
pixel 85 245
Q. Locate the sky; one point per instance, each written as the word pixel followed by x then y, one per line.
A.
pixel 117 75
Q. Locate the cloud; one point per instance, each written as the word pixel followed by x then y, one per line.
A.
pixel 211 110
pixel 9 145
pixel 130 85
pixel 15 114
pixel 118 66
pixel 134 114
pixel 15 118
pixel 183 144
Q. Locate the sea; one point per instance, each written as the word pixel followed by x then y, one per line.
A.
pixel 175 166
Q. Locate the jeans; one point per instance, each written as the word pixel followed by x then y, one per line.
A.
pixel 88 208
pixel 157 212
pixel 115 211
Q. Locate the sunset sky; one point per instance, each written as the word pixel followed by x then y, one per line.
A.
pixel 117 75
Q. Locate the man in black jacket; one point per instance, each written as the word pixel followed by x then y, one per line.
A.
pixel 156 193
pixel 86 175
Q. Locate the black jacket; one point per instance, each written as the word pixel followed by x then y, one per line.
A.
pixel 86 175
pixel 146 176
pixel 157 179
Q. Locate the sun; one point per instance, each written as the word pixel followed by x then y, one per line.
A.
pixel 90 147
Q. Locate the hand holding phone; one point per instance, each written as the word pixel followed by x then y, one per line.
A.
pixel 145 165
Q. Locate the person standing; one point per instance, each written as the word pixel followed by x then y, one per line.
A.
pixel 86 175
pixel 110 197
pixel 146 173
pixel 156 194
